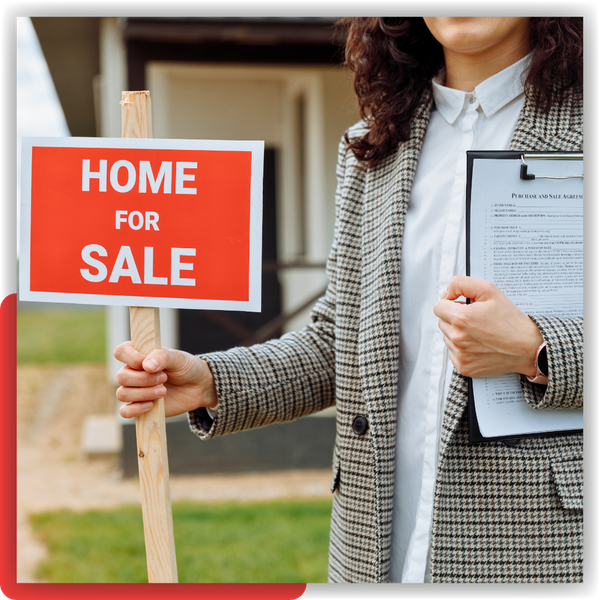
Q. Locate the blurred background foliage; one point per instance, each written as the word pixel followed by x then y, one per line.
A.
pixel 61 336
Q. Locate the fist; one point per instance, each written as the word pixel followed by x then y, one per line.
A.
pixel 490 336
pixel 183 380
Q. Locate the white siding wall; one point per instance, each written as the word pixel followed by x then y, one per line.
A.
pixel 262 102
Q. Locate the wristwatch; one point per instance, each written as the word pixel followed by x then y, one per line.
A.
pixel 541 366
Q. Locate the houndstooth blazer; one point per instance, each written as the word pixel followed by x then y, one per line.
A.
pixel 501 513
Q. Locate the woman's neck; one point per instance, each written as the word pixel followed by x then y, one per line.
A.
pixel 465 71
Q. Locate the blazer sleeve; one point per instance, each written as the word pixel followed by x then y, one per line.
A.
pixel 280 380
pixel 564 346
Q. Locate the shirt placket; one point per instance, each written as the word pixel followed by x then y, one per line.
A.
pixel 419 544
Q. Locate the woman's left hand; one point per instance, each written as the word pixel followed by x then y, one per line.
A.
pixel 490 336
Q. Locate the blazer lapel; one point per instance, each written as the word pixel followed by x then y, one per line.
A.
pixel 384 209
pixel 560 129
pixel 387 193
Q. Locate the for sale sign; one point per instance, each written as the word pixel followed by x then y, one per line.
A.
pixel 142 222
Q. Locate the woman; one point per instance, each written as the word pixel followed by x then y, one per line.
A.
pixel 413 500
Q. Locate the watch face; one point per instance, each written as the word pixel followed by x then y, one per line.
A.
pixel 543 361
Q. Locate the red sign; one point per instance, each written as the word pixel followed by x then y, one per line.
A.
pixel 171 223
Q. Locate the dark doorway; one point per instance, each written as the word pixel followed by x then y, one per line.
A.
pixel 208 331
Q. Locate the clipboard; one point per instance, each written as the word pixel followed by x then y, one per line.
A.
pixel 527 165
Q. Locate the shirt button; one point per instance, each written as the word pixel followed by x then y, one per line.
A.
pixel 471 99
pixel 360 425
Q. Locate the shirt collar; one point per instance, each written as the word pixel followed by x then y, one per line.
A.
pixel 492 94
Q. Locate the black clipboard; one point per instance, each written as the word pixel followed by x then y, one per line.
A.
pixel 527 161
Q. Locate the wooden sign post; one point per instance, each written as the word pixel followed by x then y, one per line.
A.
pixel 136 122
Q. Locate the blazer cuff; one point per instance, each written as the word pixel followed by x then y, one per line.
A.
pixel 204 421
pixel 564 347
pixel 201 423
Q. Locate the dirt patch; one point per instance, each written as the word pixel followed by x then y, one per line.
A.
pixel 54 473
pixel 52 403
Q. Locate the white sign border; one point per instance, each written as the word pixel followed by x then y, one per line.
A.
pixel 253 304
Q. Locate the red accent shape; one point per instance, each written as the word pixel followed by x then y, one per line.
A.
pixel 8 444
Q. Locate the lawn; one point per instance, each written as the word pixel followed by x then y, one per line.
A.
pixel 61 336
pixel 263 542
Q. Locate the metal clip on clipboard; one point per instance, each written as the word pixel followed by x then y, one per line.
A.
pixel 530 176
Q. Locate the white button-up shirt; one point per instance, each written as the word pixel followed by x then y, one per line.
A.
pixel 433 251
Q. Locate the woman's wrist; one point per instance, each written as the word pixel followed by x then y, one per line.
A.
pixel 534 341
pixel 208 389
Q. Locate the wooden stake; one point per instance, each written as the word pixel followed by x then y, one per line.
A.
pixel 136 122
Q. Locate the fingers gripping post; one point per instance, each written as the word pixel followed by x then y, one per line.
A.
pixel 153 462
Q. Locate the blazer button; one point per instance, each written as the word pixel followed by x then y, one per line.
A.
pixel 360 425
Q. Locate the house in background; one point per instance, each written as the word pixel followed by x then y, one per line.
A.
pixel 274 79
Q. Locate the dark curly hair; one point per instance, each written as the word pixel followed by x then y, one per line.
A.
pixel 395 58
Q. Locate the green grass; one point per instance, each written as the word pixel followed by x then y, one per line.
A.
pixel 265 542
pixel 61 337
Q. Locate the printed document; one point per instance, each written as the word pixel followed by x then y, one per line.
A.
pixel 527 238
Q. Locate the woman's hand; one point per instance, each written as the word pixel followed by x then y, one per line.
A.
pixel 490 336
pixel 183 380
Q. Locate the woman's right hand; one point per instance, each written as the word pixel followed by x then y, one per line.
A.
pixel 182 379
